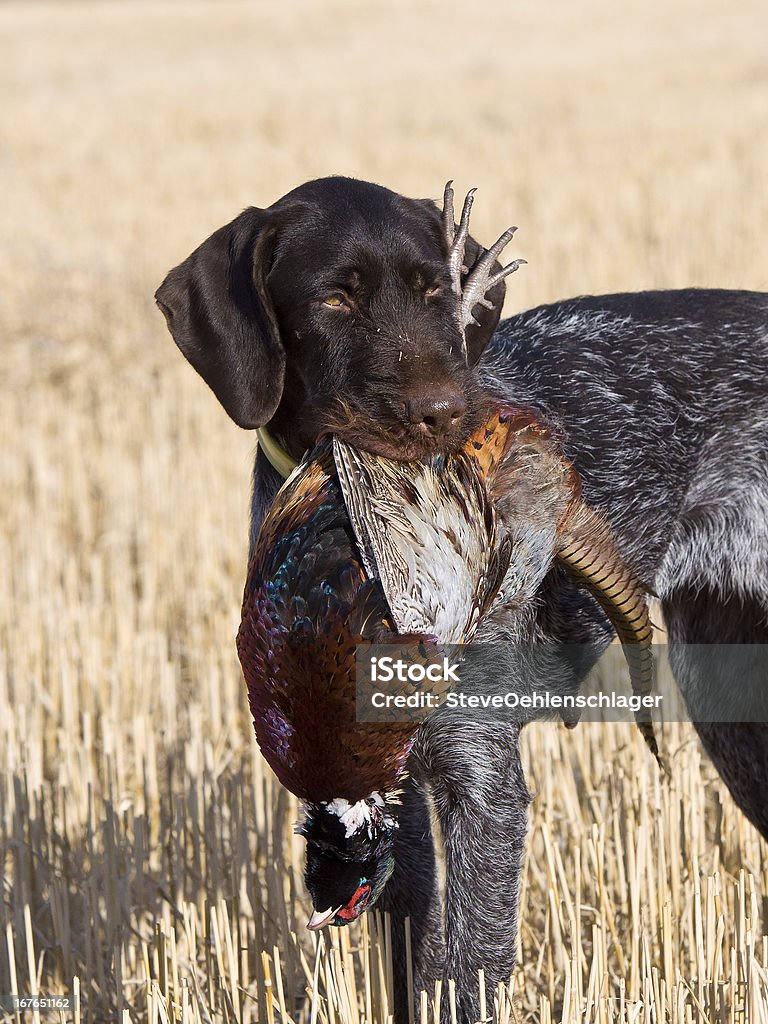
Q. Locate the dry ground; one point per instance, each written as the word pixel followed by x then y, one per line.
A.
pixel 147 854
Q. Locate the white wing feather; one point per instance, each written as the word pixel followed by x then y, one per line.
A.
pixel 433 550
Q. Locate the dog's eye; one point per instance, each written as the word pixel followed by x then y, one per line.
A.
pixel 334 301
pixel 433 290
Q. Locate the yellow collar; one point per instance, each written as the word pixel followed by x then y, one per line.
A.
pixel 278 457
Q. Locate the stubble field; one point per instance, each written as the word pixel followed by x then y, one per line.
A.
pixel 148 857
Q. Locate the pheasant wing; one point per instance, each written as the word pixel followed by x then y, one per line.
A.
pixel 427 531
pixel 369 488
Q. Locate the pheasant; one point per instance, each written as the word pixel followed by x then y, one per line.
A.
pixel 312 596
pixel 357 549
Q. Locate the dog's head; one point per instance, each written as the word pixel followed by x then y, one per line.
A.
pixel 333 310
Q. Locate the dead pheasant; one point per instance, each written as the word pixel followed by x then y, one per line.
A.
pixel 314 593
pixel 310 600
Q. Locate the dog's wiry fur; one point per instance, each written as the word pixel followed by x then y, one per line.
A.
pixel 663 400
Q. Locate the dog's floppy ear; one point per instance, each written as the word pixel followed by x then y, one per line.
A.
pixel 220 314
pixel 487 319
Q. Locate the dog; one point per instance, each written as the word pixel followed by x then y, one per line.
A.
pixel 332 310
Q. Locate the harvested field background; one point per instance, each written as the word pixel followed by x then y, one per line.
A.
pixel 147 856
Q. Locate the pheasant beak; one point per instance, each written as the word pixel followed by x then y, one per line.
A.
pixel 320 918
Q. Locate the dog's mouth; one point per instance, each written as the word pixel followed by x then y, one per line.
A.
pixel 405 449
pixel 394 438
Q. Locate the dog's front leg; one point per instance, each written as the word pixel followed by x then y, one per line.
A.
pixel 481 803
pixel 412 893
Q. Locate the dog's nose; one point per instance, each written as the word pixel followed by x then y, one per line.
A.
pixel 436 412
